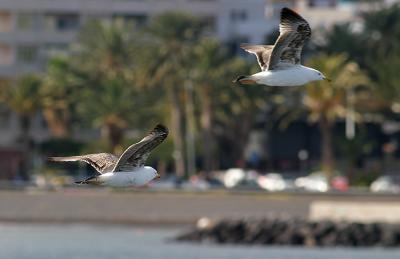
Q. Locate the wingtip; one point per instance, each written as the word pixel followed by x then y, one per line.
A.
pixel 286 10
pixel 287 13
pixel 161 128
pixel 245 46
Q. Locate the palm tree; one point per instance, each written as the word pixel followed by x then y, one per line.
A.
pixel 326 102
pixel 105 49
pixel 236 110
pixel 221 105
pixel 23 98
pixel 104 59
pixel 59 94
pixel 112 108
pixel 375 46
pixel 165 67
pixel 208 73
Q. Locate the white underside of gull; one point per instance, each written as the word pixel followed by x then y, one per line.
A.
pixel 139 177
pixel 293 75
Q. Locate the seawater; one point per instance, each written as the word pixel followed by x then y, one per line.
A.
pixel 79 241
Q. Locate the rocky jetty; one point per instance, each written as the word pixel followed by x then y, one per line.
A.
pixel 296 232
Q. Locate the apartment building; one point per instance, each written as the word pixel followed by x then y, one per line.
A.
pixel 33 30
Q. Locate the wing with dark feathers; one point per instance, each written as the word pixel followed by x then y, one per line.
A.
pixel 136 155
pixel 262 53
pixel 102 162
pixel 294 31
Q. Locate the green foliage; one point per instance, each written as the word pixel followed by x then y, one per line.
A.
pixel 22 96
pixel 60 95
pixel 212 75
pixel 375 45
pixel 176 26
pixel 108 98
pixel 105 49
pixel 364 178
pixel 328 99
pixel 120 77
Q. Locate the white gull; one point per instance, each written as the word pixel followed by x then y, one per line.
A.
pixel 280 63
pixel 128 169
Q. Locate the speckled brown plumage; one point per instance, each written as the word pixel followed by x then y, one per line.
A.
pixel 133 156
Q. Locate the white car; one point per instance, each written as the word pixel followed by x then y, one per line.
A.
pixel 238 177
pixel 273 182
pixel 314 183
pixel 233 177
pixel 386 183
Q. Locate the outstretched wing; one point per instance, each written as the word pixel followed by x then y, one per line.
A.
pixel 102 162
pixel 136 155
pixel 262 53
pixel 294 31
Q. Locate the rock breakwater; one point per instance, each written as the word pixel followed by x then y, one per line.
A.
pixel 294 231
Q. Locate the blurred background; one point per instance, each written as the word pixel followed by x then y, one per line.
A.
pixel 86 76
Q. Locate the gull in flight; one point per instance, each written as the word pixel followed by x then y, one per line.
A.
pixel 129 168
pixel 280 63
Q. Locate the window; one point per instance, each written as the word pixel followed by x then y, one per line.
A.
pixel 322 3
pixel 5 21
pixel 56 49
pixel 131 19
pixel 67 22
pixel 27 53
pixel 4 117
pixel 238 15
pixel 62 22
pixel 27 21
pixel 209 23
pixel 6 57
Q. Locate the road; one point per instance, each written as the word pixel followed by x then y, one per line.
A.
pixel 148 207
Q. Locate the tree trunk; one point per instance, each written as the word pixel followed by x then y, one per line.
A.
pixel 58 122
pixel 25 140
pixel 114 135
pixel 243 132
pixel 238 135
pixel 177 133
pixel 24 137
pixel 206 127
pixel 326 147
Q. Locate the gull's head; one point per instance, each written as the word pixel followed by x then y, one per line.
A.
pixel 318 76
pixel 155 174
pixel 147 174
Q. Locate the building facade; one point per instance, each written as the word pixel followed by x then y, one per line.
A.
pixel 33 30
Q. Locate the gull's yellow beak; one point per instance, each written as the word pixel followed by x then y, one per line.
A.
pixel 158 176
pixel 244 80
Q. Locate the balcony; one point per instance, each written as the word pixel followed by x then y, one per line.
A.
pixel 5 21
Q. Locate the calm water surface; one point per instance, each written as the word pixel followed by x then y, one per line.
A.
pixel 87 241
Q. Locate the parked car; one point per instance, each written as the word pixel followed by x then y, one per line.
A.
pixel 340 183
pixel 313 182
pixel 236 177
pixel 274 182
pixel 233 177
pixel 317 182
pixel 387 183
